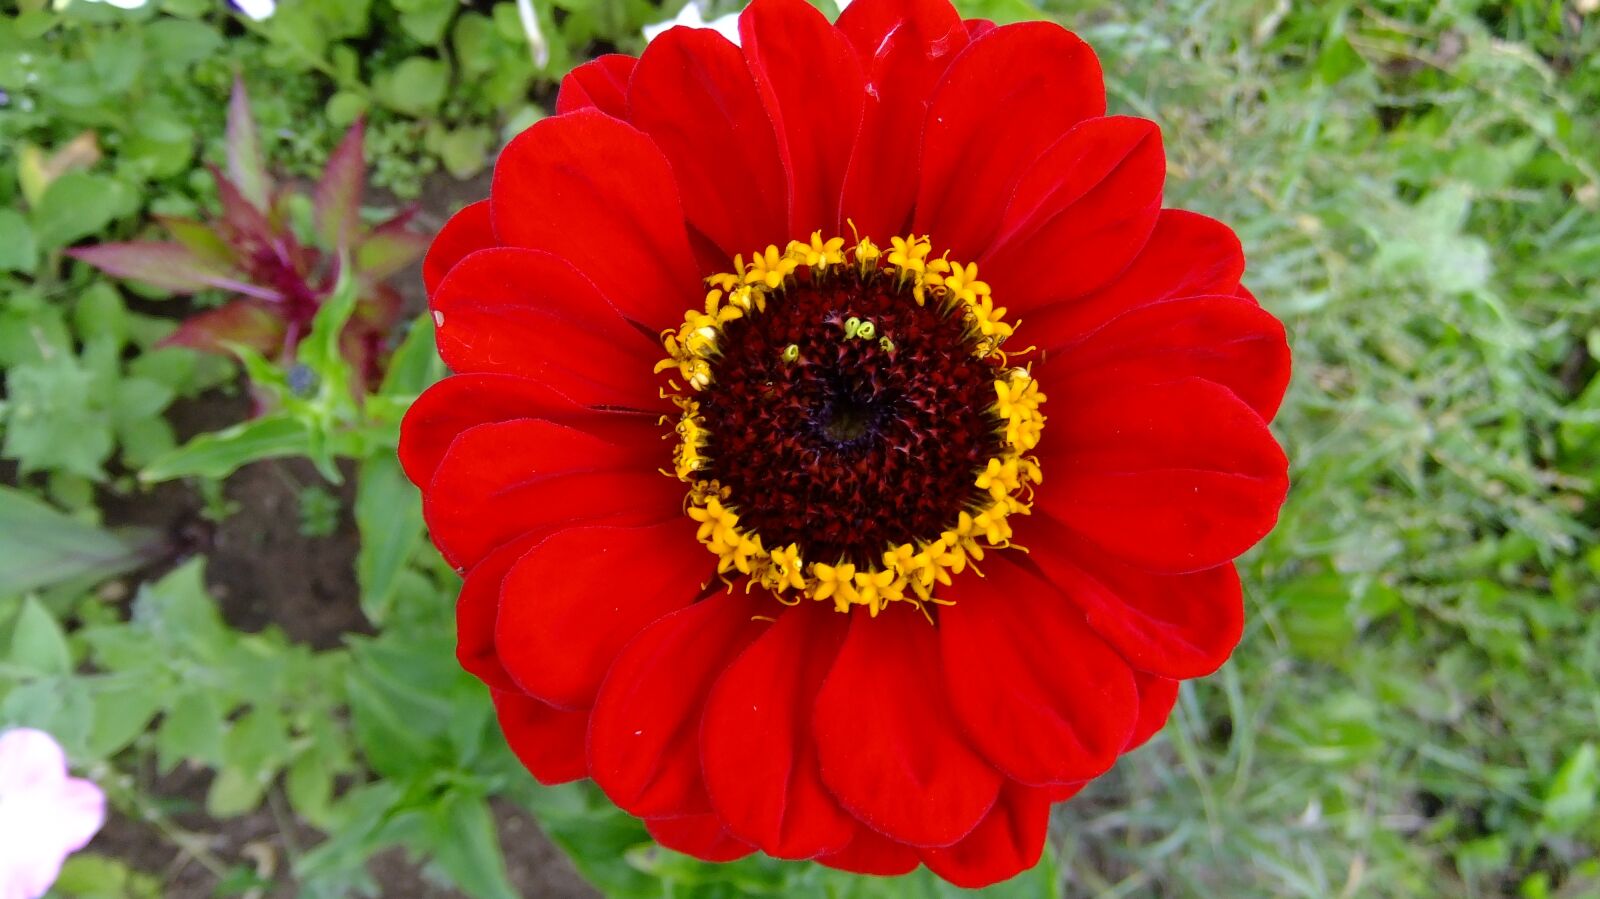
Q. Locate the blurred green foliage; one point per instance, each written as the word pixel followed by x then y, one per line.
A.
pixel 1412 711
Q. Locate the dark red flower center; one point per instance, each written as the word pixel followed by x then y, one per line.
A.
pixel 847 419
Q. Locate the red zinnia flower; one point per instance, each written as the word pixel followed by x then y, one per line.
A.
pixel 770 257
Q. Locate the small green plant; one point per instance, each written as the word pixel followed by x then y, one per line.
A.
pixel 279 270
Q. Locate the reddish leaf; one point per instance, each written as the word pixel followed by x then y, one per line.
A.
pixel 201 239
pixel 338 195
pixel 169 266
pixel 389 248
pixel 244 322
pixel 245 165
pixel 244 224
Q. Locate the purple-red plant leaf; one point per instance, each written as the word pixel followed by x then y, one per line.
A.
pixel 389 248
pixel 169 266
pixel 201 239
pixel 246 167
pixel 244 322
pixel 244 225
pixel 338 195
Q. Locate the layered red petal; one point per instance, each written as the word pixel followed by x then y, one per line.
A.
pixel 701 836
pixel 1175 625
pixel 499 481
pixel 1187 255
pixel 601 83
pixel 465 233
pixel 1157 696
pixel 597 192
pixel 1008 841
pixel 565 613
pixel 891 749
pixel 1173 477
pixel 644 747
pixel 1036 690
pixel 1227 340
pixel 812 85
pixel 548 741
pixel 761 765
pixel 1079 214
pixel 904 49
pixel 694 96
pixel 987 124
pixel 532 314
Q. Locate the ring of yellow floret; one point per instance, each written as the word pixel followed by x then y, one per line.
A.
pixel 908 572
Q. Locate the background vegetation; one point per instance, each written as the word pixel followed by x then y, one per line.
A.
pixel 1414 709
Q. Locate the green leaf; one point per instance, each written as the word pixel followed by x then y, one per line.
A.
pixel 123 708
pixel 463 840
pixel 19 252
pixel 38 644
pixel 75 206
pixel 220 453
pixel 1574 792
pixel 389 515
pixel 40 546
pixel 234 792
pixel 416 86
pixel 191 731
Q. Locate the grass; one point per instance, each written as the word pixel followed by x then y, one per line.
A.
pixel 1416 187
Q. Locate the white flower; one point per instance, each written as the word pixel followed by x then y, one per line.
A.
pixel 44 814
pixel 255 9
pixel 690 16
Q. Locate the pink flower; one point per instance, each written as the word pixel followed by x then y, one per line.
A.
pixel 44 814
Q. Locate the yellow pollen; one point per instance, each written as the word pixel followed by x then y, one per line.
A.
pixel 908 573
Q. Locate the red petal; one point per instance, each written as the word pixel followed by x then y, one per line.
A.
pixel 1179 477
pixel 1037 692
pixel 694 96
pixel 1063 792
pixel 904 48
pixel 477 607
pixel 891 750
pixel 457 403
pixel 988 123
pixel 601 83
pixel 644 744
pixel 1176 625
pixel 523 312
pixel 870 852
pixel 1079 215
pixel 566 610
pixel 1228 340
pixel 1007 842
pixel 1157 696
pixel 1188 255
pixel 548 741
pixel 500 481
pixel 760 759
pixel 244 322
pixel 467 232
pixel 701 836
pixel 338 194
pixel 812 86
pixel 977 28
pixel 596 192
